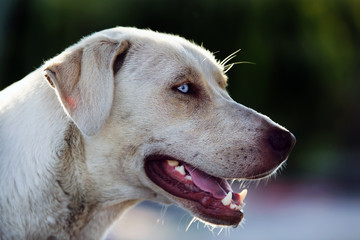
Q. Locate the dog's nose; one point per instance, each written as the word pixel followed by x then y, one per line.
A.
pixel 281 141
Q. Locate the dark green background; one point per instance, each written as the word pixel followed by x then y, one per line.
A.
pixel 306 76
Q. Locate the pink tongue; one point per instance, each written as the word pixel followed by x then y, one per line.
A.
pixel 216 186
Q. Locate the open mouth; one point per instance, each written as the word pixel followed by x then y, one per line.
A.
pixel 210 198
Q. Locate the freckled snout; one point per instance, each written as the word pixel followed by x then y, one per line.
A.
pixel 275 147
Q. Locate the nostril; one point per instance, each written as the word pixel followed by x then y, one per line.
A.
pixel 281 140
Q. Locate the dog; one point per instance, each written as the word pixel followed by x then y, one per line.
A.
pixel 122 116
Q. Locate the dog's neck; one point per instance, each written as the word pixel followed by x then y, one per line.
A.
pixel 46 185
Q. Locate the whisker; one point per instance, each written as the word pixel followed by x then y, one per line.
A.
pixel 242 223
pixel 221 229
pixel 229 66
pixel 191 222
pixel 228 58
pixel 210 227
pixel 225 61
pixel 161 219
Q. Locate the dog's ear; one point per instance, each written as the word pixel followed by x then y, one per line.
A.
pixel 84 81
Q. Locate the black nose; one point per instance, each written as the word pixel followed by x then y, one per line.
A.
pixel 281 141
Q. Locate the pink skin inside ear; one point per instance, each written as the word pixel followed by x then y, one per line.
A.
pixel 71 102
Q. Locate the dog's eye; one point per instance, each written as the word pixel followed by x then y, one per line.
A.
pixel 185 88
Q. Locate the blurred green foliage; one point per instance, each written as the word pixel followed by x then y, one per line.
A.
pixel 307 58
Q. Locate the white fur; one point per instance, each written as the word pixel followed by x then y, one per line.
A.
pixel 71 155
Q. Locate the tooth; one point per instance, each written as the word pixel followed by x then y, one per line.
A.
pixel 180 169
pixel 173 163
pixel 188 177
pixel 233 206
pixel 239 208
pixel 243 195
pixel 227 199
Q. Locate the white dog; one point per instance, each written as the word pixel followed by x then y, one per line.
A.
pixel 122 116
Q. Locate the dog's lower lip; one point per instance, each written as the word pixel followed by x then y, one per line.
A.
pixel 209 207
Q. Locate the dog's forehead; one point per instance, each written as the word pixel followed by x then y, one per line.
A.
pixel 204 62
pixel 167 49
pixel 193 59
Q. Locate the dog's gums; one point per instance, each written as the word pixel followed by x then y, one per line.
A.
pixel 213 197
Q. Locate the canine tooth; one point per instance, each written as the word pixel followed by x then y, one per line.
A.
pixel 243 195
pixel 233 206
pixel 173 163
pixel 188 177
pixel 227 199
pixel 180 169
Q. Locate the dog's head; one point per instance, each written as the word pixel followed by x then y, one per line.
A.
pixel 159 124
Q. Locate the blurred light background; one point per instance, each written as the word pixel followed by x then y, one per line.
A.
pixel 306 77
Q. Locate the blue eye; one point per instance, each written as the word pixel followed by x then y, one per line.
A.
pixel 184 88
